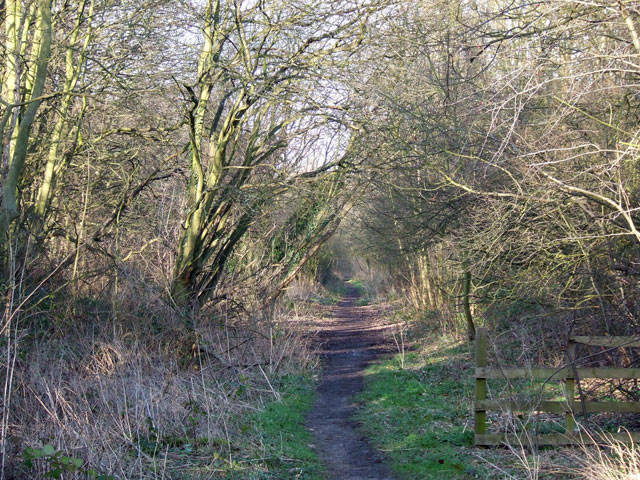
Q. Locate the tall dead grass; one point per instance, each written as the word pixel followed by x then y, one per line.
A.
pixel 122 393
pixel 611 459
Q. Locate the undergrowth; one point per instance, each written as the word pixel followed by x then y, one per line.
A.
pixel 154 398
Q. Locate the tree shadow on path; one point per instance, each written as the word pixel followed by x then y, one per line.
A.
pixel 350 341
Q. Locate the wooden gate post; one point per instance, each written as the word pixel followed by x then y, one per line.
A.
pixel 570 388
pixel 481 383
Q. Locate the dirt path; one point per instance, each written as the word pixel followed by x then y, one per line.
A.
pixel 350 341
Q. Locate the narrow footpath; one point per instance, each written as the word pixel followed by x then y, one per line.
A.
pixel 350 340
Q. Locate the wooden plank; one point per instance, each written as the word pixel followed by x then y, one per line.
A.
pixel 608 372
pixel 503 439
pixel 521 372
pixel 541 373
pixel 499 439
pixel 612 407
pixel 610 342
pixel 549 406
pixel 570 388
pixel 480 424
pixel 524 406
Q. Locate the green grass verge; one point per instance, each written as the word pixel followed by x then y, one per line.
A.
pixel 420 415
pixel 281 438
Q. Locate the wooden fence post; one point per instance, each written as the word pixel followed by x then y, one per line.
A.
pixel 570 388
pixel 481 383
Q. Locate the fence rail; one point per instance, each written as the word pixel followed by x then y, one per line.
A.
pixel 567 407
pixel 554 373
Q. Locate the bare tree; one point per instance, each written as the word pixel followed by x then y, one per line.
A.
pixel 259 90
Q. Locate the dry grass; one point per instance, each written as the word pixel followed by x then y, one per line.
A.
pixel 611 460
pixel 124 397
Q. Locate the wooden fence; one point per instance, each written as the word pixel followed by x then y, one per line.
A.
pixel 567 407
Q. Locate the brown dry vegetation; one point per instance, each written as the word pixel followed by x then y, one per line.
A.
pixel 126 396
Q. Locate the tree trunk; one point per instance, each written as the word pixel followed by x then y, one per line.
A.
pixel 466 302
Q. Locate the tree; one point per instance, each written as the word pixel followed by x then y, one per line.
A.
pixel 524 129
pixel 22 91
pixel 65 124
pixel 262 85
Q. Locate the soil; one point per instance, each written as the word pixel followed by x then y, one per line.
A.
pixel 352 338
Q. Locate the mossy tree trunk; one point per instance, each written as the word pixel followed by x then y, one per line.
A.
pixel 23 88
pixel 66 127
pixel 252 98
pixel 466 304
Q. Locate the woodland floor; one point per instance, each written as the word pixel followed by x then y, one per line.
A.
pixel 349 340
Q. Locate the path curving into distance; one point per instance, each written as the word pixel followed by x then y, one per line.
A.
pixel 351 339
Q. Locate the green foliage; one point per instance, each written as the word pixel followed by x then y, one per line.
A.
pixel 298 227
pixel 319 267
pixel 330 298
pixel 56 463
pixel 366 294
